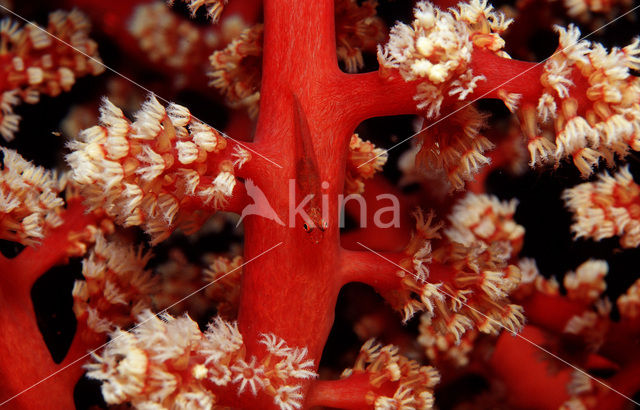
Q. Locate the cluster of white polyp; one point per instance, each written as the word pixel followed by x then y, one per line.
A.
pixel 29 201
pixel 589 105
pixel 116 287
pixel 607 207
pixel 363 161
pixel 159 172
pixel 473 266
pixel 435 50
pixel 38 62
pixel 384 366
pixel 168 363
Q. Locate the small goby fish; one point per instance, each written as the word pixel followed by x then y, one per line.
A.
pixel 307 178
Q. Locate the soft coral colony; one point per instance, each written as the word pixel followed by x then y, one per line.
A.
pixel 451 263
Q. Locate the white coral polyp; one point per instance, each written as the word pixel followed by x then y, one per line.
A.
pixel 436 50
pixel 148 366
pixel 433 47
pixel 142 366
pixel 124 168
